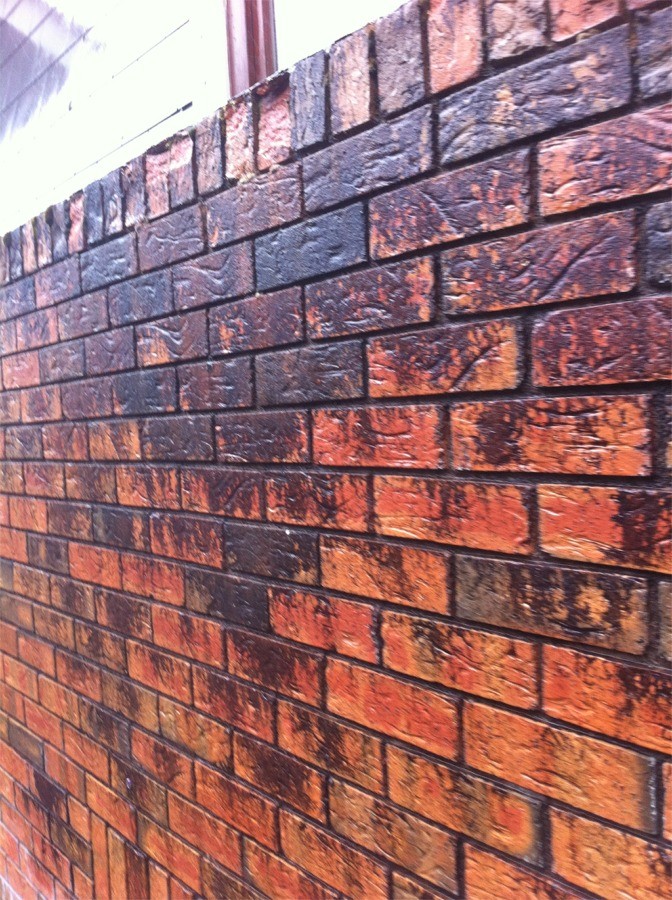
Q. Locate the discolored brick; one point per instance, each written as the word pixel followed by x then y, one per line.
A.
pixel 140 298
pixel 265 320
pixel 239 138
pixel 223 384
pixel 262 437
pixel 653 49
pixel 320 500
pixel 273 122
pixel 170 239
pixel 569 19
pixel 399 58
pixel 350 81
pixel 209 155
pixel 658 236
pixel 307 101
pixel 309 374
pixel 110 262
pixel 515 26
pixel 172 339
pixel 454 41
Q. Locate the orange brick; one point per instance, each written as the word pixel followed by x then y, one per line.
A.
pixel 387 572
pixel 14 544
pixel 606 861
pixel 392 706
pixel 28 513
pixel 80 676
pixel 239 806
pixel 498 668
pixel 606 525
pixel 64 772
pixel 187 538
pixel 86 753
pixel 274 876
pixel 324 621
pixel 581 771
pixel 170 852
pixel 320 500
pixel 236 704
pixel 324 856
pixel 404 437
pixel 148 486
pixel 167 765
pixel 330 744
pixel 21 370
pixel 488 876
pixel 626 702
pixel 114 441
pixel 496 816
pixel 454 37
pixel 205 832
pixel 111 808
pixel 280 775
pixel 160 671
pixel 667 809
pixel 570 18
pixel 59 700
pixel 400 837
pixel 37 654
pixel 153 578
pixel 575 436
pixel 205 738
pixel 484 516
pixel 94 564
pixel 188 635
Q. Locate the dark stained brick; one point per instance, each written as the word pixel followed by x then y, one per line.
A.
pixel 93 213
pixel 307 100
pixel 578 81
pixel 110 262
pixel 17 299
pixel 58 282
pixel 140 298
pixel 170 239
pixel 230 597
pixel 271 552
pixel 399 58
pixel 658 236
pixel 217 276
pixel 173 339
pixel 133 188
pixel 209 159
pixel 309 374
pixel 178 437
pixel 110 351
pixel 222 384
pixel 85 315
pixel 265 320
pixel 113 213
pixel 258 437
pixel 654 50
pixel 139 393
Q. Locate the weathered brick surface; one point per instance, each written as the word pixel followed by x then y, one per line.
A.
pixel 334 448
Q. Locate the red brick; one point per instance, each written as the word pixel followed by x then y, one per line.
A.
pixel 86 753
pixel 273 875
pixel 170 852
pixel 454 39
pixel 157 165
pixel 167 765
pixel 320 620
pixel 394 707
pixel 496 816
pixel 28 513
pixel 580 771
pixel 188 635
pixel 485 516
pixel 64 441
pixel 349 871
pixel 153 578
pixel 622 701
pixel 21 370
pixel 160 671
pixel 608 162
pixel 172 339
pixel 221 491
pixel 488 876
pixel 181 174
pixel 187 538
pixel 111 808
pixel 577 436
pixel 606 525
pixel 95 564
pixel 568 19
pixel 78 675
pixel 244 809
pixel 148 486
pixel 239 138
pixel 607 861
pixel 263 437
pixel 515 27
pixel 205 832
pixel 276 665
pixel 207 739
pixel 320 500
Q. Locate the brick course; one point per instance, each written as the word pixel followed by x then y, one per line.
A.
pixel 334 507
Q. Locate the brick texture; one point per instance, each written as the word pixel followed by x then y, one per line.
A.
pixel 334 463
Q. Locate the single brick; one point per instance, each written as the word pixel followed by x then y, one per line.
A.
pixel 188 635
pixel 147 486
pixel 608 162
pixel 448 358
pixel 160 671
pixel 21 370
pixel 484 197
pixel 315 247
pixel 222 384
pixel 477 514
pixel 465 803
pixel 222 491
pixel 399 58
pixel 307 100
pixel 187 538
pixel 587 258
pixel 325 856
pixel 113 219
pixel 59 230
pixel 170 239
pixel 622 701
pixel 488 875
pixel 17 299
pixel 658 236
pixel 310 374
pixel 320 500
pixel 94 213
pixel 205 738
pixel 602 435
pixel 209 834
pixel 571 18
pixel 653 51
pixel 566 604
pixel 350 81
pixel 276 665
pixel 397 294
pixel 515 27
pixel 606 860
pixel 320 620
pixel 157 166
pixel 110 351
pixel 454 34
pixel 42 241
pixel 170 852
pixel 39 328
pixel 140 298
pixel 262 437
pixel 487 665
pixel 409 437
pixel 229 597
pixel 133 188
pixel 562 765
pixel 57 282
pixel 153 578
pixel 382 156
pixel 85 315
pixel 611 344
pixel 274 128
pixel 76 223
pixel 267 202
pixel 139 393
pixel 118 440
pixel 181 170
pixel 273 874
pixel 113 261
pixel 587 77
pixel 424 849
pixel 94 483
pixel 286 553
pixel 234 703
pixel 265 320
pixel 95 564
pixel 178 437
pixel 172 339
pixel 15 254
pixel 408 712
pixel 239 138
pixel 612 526
pixel 217 276
pixel 209 156
pixel 243 808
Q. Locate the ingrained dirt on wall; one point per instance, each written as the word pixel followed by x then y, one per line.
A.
pixel 334 524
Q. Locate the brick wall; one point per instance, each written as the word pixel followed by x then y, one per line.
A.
pixel 333 484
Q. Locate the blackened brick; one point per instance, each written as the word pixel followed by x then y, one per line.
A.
pixel 139 393
pixel 217 276
pixel 174 339
pixel 17 299
pixel 655 52
pixel 113 213
pixel 220 384
pixel 178 437
pixel 238 600
pixel 37 329
pixel 209 158
pixel 85 315
pixel 59 230
pixel 399 58
pixel 58 282
pixel 223 491
pixel 658 232
pixel 93 213
pixel 43 240
pixel 315 247
pixel 259 437
pixel 110 262
pixel 287 553
pixel 265 320
pixel 384 155
pixel 88 399
pixel 308 106
pixel 267 202
pixel 171 238
pixel 121 528
pixel 133 187
pixel 309 374
pixel 141 298
pixel 110 351
pixel 576 82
